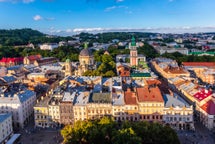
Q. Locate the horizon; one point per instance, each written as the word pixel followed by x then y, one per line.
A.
pixel 66 18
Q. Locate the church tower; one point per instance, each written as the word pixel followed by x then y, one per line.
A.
pixel 133 52
pixel 68 68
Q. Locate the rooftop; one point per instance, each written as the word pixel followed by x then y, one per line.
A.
pixel 202 94
pixel 100 98
pixel 174 101
pixel 149 94
pixel 130 97
pixel 198 64
pixel 209 107
pixel 4 116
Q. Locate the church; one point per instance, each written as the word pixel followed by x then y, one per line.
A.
pixel 86 62
pixel 135 58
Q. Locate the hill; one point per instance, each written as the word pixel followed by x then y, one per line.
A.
pixel 18 36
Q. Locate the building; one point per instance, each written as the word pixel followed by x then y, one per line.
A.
pixel 207 114
pixel 163 50
pixel 134 57
pixel 20 104
pixel 6 128
pixel 41 113
pixel 203 70
pixel 8 62
pixel 86 61
pixel 45 61
pixel 49 46
pixel 150 103
pixel 66 109
pixel 68 68
pixel 169 68
pixel 30 59
pixel 178 113
pixel 3 71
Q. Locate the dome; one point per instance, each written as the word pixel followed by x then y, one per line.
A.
pixel 85 52
pixel 68 61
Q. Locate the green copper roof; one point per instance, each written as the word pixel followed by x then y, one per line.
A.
pixel 85 45
pixel 140 75
pixel 199 53
pixel 133 42
pixel 68 60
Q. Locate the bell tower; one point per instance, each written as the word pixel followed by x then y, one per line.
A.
pixel 68 68
pixel 133 52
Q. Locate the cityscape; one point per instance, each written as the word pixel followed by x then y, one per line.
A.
pixel 105 72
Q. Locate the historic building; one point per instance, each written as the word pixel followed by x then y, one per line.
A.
pixel 86 61
pixel 68 68
pixel 8 62
pixel 134 57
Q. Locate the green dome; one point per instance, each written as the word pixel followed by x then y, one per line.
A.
pixel 68 61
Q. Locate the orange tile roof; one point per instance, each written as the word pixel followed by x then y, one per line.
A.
pixel 149 94
pixel 207 64
pixel 153 81
pixel 177 70
pixel 130 97
pixel 209 107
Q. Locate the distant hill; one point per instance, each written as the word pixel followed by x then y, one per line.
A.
pixel 18 36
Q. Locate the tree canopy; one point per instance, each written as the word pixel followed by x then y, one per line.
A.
pixel 107 131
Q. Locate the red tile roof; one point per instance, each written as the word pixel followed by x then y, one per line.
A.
pixel 202 94
pixel 149 94
pixel 34 57
pixel 153 82
pixel 209 107
pixel 130 97
pixel 12 60
pixel 207 64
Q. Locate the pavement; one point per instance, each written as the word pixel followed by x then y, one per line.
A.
pixel 32 135
pixel 201 135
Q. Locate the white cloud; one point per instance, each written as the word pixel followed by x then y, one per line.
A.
pixel 15 1
pixel 115 7
pixel 37 17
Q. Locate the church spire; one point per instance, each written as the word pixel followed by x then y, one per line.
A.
pixel 133 42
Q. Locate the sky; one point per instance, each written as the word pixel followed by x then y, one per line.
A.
pixel 65 17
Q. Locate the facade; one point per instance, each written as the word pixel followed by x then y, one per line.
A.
pixel 150 103
pixel 134 57
pixel 3 71
pixel 45 61
pixel 30 59
pixel 169 68
pixel 6 128
pixel 207 114
pixel 20 105
pixel 163 50
pixel 68 68
pixel 41 113
pixel 178 113
pixel 203 70
pixel 49 46
pixel 86 61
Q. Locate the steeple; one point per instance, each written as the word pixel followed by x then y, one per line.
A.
pixel 133 42
pixel 85 45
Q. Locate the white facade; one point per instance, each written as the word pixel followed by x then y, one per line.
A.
pixel 20 105
pixel 162 50
pixel 6 128
pixel 50 46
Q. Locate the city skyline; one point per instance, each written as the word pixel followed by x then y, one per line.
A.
pixel 69 17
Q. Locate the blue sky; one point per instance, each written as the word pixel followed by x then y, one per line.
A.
pixel 67 16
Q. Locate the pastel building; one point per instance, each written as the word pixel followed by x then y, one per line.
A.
pixel 6 128
pixel 49 46
pixel 20 105
pixel 178 113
